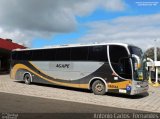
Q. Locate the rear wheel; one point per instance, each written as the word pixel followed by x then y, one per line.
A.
pixel 98 87
pixel 27 79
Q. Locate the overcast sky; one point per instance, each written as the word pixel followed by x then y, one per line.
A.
pixel 41 23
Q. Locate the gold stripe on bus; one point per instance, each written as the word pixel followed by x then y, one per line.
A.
pixel 37 68
pixel 22 66
pixel 119 85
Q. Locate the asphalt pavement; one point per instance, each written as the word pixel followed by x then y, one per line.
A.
pixel 34 107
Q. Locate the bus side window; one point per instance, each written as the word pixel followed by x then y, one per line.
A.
pixel 37 55
pixel 79 53
pixel 63 54
pixel 97 53
pixel 117 52
pixel 14 56
pixel 49 54
pixel 27 55
pixel 20 55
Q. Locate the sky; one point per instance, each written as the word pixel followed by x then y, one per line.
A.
pixel 44 23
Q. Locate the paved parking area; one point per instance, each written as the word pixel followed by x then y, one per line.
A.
pixel 15 103
pixel 147 102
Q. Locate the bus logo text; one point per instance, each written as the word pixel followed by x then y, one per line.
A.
pixel 62 65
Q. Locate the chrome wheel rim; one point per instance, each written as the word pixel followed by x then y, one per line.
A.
pixel 99 87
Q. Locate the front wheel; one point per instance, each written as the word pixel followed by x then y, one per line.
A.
pixel 27 79
pixel 98 87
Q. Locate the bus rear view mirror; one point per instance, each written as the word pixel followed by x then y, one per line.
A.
pixel 137 63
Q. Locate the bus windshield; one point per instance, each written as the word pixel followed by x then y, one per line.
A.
pixel 135 50
pixel 140 72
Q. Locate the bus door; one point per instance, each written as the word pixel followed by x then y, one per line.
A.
pixel 120 64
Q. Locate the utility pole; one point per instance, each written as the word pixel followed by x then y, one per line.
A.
pixel 155 51
pixel 155 60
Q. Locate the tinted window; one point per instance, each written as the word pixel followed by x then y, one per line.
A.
pixel 117 52
pixel 135 50
pixel 43 55
pixel 63 54
pixel 79 53
pixel 27 55
pixel 125 68
pixel 49 54
pixel 97 53
pixel 20 55
pixel 37 55
pixel 120 61
pixel 14 55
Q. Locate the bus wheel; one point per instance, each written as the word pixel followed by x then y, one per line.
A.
pixel 27 79
pixel 98 87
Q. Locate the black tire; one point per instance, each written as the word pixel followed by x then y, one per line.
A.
pixel 98 87
pixel 27 79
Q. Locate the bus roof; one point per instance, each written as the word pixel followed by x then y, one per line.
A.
pixel 74 45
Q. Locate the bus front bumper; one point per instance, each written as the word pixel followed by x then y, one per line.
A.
pixel 139 88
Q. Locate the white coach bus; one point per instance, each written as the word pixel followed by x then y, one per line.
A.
pixel 101 68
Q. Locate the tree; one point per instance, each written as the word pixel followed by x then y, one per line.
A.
pixel 150 53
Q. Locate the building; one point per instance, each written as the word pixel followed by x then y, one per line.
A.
pixel 6 46
pixel 153 67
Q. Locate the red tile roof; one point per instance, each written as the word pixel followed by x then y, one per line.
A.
pixel 9 45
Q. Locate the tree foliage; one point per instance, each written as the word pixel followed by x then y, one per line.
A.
pixel 150 53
